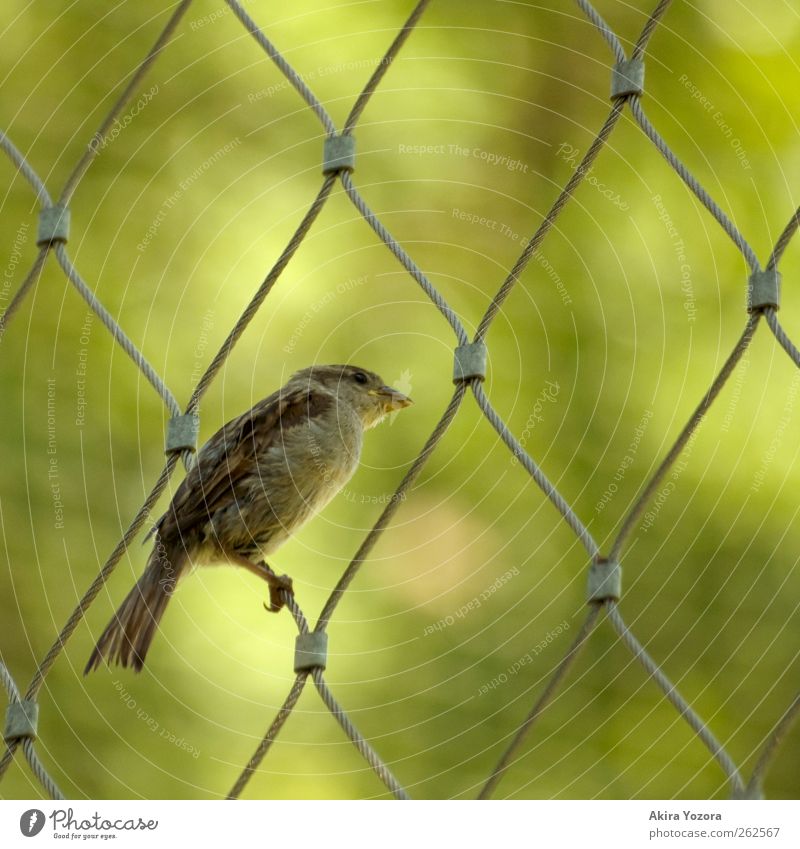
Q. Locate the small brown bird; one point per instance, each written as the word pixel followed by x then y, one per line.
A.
pixel 255 482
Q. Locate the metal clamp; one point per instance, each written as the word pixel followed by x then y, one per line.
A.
pixel 755 791
pixel 22 720
pixel 310 651
pixel 182 433
pixel 339 154
pixel 604 582
pixel 764 290
pixel 627 78
pixel 470 362
pixel 53 225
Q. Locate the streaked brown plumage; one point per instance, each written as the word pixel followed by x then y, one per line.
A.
pixel 255 482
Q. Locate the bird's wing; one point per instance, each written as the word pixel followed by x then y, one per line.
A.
pixel 231 454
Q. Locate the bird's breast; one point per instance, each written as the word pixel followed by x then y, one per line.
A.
pixel 296 477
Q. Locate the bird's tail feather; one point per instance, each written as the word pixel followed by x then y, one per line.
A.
pixel 128 635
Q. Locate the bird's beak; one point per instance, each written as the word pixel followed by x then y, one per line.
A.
pixel 393 400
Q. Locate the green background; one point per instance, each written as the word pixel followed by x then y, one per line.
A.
pixel 711 587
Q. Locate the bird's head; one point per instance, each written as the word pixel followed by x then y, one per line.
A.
pixel 363 390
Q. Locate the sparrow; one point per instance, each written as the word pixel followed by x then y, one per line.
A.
pixel 255 482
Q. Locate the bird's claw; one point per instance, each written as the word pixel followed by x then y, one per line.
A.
pixel 278 585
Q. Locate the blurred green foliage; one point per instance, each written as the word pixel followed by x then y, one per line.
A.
pixel 711 586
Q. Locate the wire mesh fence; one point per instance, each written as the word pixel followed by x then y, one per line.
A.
pixel 626 73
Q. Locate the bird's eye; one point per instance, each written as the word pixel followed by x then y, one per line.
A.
pixel 360 377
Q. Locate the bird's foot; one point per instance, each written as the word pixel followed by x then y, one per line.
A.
pixel 280 587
